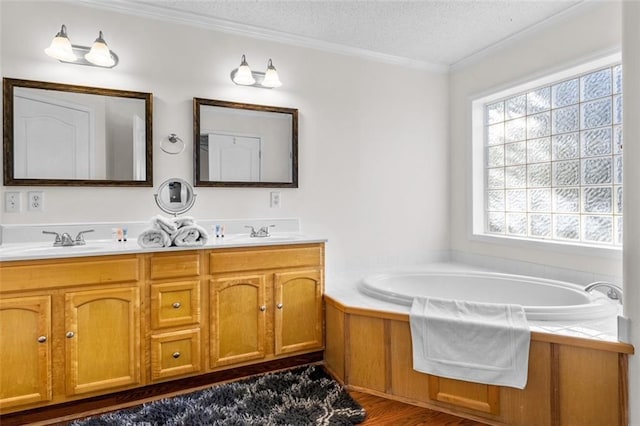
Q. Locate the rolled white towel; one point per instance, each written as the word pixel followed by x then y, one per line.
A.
pixel 183 221
pixel 154 237
pixel 190 236
pixel 164 223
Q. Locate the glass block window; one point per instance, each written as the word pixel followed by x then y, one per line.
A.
pixel 553 161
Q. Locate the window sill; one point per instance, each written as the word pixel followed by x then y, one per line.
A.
pixel 611 252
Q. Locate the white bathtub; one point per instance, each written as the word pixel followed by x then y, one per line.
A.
pixel 542 299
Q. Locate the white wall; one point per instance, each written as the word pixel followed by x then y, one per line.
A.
pixel 631 60
pixel 590 31
pixel 372 137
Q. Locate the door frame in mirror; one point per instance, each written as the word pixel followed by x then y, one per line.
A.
pixel 198 102
pixel 8 127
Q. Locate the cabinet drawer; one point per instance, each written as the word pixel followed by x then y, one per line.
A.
pixel 175 265
pixel 29 275
pixel 175 304
pixel 243 259
pixel 174 354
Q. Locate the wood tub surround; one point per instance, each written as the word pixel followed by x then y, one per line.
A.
pixel 572 381
pixel 80 329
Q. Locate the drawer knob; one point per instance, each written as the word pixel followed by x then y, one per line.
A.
pixel 176 355
pixel 70 334
pixel 263 308
pixel 279 306
pixel 176 305
pixel 42 339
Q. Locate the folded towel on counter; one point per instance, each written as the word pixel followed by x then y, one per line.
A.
pixel 183 221
pixel 190 236
pixel 477 342
pixel 154 237
pixel 166 224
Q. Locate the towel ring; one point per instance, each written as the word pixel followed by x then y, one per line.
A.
pixel 175 144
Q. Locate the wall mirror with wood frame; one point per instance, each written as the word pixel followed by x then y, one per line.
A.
pixel 67 135
pixel 244 145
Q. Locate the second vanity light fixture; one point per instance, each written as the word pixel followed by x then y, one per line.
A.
pixel 98 54
pixel 244 76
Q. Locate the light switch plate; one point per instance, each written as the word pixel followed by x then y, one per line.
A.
pixel 275 199
pixel 12 202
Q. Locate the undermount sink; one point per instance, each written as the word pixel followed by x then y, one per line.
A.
pixel 46 249
pixel 245 238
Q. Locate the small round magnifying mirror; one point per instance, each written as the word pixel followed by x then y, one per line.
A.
pixel 175 196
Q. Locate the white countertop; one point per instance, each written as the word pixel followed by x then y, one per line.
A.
pixel 42 250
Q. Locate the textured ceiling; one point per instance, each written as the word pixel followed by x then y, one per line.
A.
pixel 436 32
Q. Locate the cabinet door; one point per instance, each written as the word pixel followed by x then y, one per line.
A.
pixel 102 339
pixel 298 313
pixel 25 350
pixel 238 325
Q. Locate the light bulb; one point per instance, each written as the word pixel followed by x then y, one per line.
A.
pixel 243 74
pixel 271 78
pixel 60 47
pixel 100 53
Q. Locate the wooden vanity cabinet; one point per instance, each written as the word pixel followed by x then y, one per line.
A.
pixel 265 302
pixel 25 350
pixel 175 312
pixel 68 328
pixel 74 328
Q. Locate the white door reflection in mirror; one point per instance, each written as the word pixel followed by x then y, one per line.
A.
pixel 59 132
pixel 234 158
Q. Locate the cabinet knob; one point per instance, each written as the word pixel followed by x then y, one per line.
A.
pixel 279 306
pixel 263 308
pixel 70 334
pixel 42 339
pixel 176 305
pixel 176 355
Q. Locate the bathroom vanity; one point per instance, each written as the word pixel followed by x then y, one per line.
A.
pixel 80 327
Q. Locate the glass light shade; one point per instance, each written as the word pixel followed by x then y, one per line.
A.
pixel 60 47
pixel 100 53
pixel 271 78
pixel 243 74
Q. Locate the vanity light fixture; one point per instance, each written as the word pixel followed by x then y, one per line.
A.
pixel 244 76
pixel 98 55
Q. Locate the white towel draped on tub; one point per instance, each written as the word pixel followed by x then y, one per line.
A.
pixel 477 342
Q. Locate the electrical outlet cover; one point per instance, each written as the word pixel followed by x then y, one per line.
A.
pixel 36 201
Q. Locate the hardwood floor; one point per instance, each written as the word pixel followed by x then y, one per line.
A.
pixel 382 412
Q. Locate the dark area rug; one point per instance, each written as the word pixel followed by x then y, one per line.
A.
pixel 301 396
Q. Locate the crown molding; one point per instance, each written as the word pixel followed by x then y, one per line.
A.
pixel 531 30
pixel 157 11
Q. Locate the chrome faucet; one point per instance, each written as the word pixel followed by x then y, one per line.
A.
pixel 614 292
pixel 260 233
pixel 65 240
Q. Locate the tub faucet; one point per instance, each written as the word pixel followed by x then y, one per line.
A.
pixel 614 292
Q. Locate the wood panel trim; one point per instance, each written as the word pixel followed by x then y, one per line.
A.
pixel 601 345
pixel 491 406
pixel 555 385
pixel 623 388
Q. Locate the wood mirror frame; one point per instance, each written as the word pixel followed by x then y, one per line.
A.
pixel 290 115
pixel 10 178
